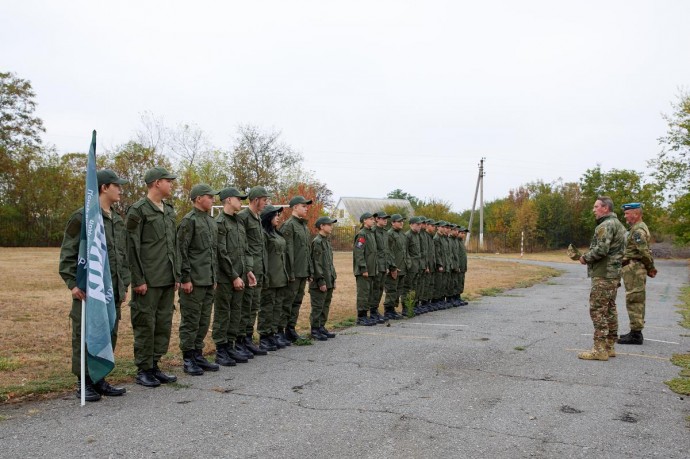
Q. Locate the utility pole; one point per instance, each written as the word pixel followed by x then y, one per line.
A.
pixel 479 187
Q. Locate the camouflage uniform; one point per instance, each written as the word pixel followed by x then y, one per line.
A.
pixel 637 263
pixel 364 261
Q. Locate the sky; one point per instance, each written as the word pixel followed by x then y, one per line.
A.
pixel 376 95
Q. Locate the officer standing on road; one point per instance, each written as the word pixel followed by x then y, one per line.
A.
pixel 109 192
pixel 155 278
pixel 197 243
pixel 637 265
pixel 394 280
pixel 323 282
pixel 603 262
pixel 364 256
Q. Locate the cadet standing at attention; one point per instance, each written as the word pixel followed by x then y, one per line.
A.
pixel 109 192
pixel 323 281
pixel 414 254
pixel 384 262
pixel 394 280
pixel 637 265
pixel 364 255
pixel 441 266
pixel 297 237
pixel 197 241
pixel 462 263
pixel 232 280
pixel 152 260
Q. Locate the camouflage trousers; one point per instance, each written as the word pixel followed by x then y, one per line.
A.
pixel 602 308
pixel 635 281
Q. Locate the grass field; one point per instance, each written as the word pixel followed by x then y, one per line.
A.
pixel 35 330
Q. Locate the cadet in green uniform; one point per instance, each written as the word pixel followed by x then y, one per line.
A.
pixel 462 264
pixel 394 280
pixel 297 236
pixel 152 260
pixel 275 288
pixel 256 264
pixel 364 255
pixel 109 192
pixel 441 265
pixel 385 264
pixel 232 280
pixel 197 242
pixel 603 262
pixel 637 265
pixel 414 256
pixel 323 281
pixel 430 272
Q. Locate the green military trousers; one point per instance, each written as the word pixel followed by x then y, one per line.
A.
pixel 376 291
pixel 293 302
pixel 271 310
pixel 363 292
pixel 227 310
pixel 152 316
pixel 409 285
pixel 251 301
pixel 394 288
pixel 195 317
pixel 75 315
pixel 320 306
pixel 635 281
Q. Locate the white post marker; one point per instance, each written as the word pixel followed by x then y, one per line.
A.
pixel 83 353
pixel 522 244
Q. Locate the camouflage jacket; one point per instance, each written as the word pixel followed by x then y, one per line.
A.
pixel 637 245
pixel 606 249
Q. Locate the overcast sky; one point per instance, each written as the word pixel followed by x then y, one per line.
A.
pixel 376 95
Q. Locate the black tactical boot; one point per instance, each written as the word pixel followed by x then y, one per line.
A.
pixel 266 344
pixel 253 348
pixel 103 388
pixel 293 335
pixel 222 357
pixel 363 320
pixel 240 349
pixel 162 377
pixel 328 334
pixel 146 378
pixel 317 335
pixel 236 355
pixel 203 363
pixel 276 342
pixel 90 394
pixel 191 367
pixel 374 315
pixel 634 337
pixel 281 337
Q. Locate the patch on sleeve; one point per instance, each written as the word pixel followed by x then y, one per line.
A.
pixel 132 222
pixel 637 237
pixel 360 242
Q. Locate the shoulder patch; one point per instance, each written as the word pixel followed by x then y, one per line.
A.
pixel 133 222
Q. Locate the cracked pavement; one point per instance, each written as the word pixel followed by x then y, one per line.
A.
pixel 497 378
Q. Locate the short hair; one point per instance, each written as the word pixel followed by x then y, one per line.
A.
pixel 608 202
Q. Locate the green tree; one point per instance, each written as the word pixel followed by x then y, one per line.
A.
pixel 400 194
pixel 672 164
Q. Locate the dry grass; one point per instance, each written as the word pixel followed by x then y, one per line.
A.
pixel 554 256
pixel 35 332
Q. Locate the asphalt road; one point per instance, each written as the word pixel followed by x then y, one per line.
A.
pixel 498 378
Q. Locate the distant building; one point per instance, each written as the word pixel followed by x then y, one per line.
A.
pixel 348 210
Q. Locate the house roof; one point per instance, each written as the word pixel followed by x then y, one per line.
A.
pixel 357 206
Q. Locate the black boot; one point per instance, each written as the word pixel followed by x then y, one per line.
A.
pixel 374 315
pixel 276 342
pixel 103 388
pixel 317 335
pixel 90 394
pixel 363 320
pixel 328 334
pixel 292 334
pixel 191 367
pixel 203 363
pixel 162 377
pixel 281 337
pixel 253 348
pixel 237 355
pixel 266 344
pixel 242 349
pixel 634 337
pixel 222 357
pixel 146 378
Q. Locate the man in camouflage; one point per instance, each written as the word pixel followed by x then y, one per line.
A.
pixel 637 265
pixel 603 262
pixel 364 261
pixel 394 280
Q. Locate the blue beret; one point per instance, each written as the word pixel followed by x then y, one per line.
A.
pixel 631 205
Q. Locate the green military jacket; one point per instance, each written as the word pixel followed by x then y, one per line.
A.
pixel 430 252
pixel 637 245
pixel 297 237
pixel 452 252
pixel 276 271
pixel 384 258
pixel 151 250
pixel 397 244
pixel 364 253
pixel 462 256
pixel 256 252
pixel 440 252
pixel 606 249
pixel 116 241
pixel 414 251
pixel 197 245
pixel 322 261
pixel 232 248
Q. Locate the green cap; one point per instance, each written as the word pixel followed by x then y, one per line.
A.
pixel 397 218
pixel 158 173
pixel 464 230
pixel 416 220
pixel 231 192
pixel 440 223
pixel 381 214
pixel 108 176
pixel 201 190
pixel 429 221
pixel 448 224
pixel 324 221
pixel 258 192
pixel 269 209
pixel 364 216
pixel 299 200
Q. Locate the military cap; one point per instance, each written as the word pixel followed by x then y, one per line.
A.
pixel 448 224
pixel 422 219
pixel 631 205
pixel 324 221
pixel 231 192
pixel 364 216
pixel 397 218
pixel 258 192
pixel 202 190
pixel 269 209
pixel 429 221
pixel 381 214
pixel 440 223
pixel 416 220
pixel 299 200
pixel 464 230
pixel 108 176
pixel 158 173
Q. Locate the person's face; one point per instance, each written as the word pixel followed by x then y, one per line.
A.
pixel 369 222
pixel 599 209
pixel 113 192
pixel 397 225
pixel 462 235
pixel 632 216
pixel 300 210
pixel 381 222
pixel 165 187
pixel 415 227
pixel 275 220
pixel 326 229
pixel 454 232
pixel 261 203
pixel 430 229
pixel 235 203
pixel 205 202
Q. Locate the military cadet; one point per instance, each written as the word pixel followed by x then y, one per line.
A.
pixel 109 192
pixel 455 256
pixel 637 265
pixel 429 277
pixel 256 265
pixel 441 257
pixel 462 263
pixel 394 280
pixel 414 266
pixel 603 262
pixel 297 236
pixel 275 287
pixel 232 280
pixel 197 243
pixel 323 280
pixel 450 266
pixel 385 264
pixel 152 260
pixel 364 263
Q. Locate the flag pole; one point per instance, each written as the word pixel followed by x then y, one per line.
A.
pixel 83 353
